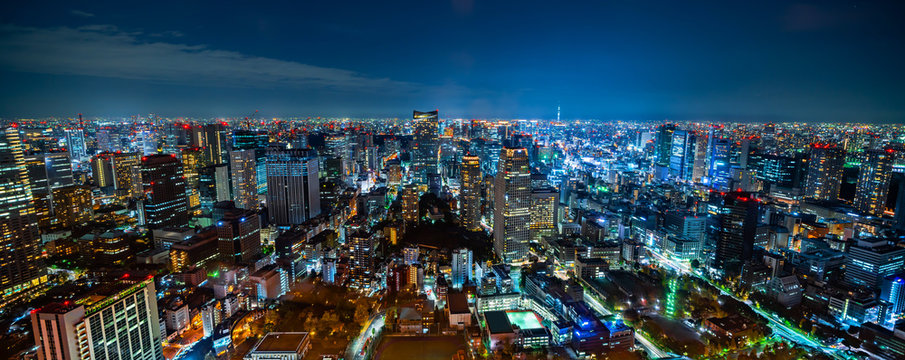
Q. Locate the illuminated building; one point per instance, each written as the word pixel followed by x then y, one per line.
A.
pixel 119 321
pixel 824 176
pixel 239 236
pixel 363 246
pixel 257 141
pixel 425 146
pixel 873 181
pixel 282 346
pixel 110 248
pixel 120 171
pixel 871 260
pixel 197 251
pixel 214 184
pixel 72 206
pixel 470 179
pixel 410 203
pixel 512 205
pixel 21 267
pixel 671 297
pixel 663 150
pixel 720 169
pixel 215 151
pixel 293 188
pixel 739 213
pixel 192 162
pixel 682 155
pixel 783 171
pixel 461 267
pixel 892 291
pixel 164 200
pixel 75 140
pixel 544 204
pixel 243 167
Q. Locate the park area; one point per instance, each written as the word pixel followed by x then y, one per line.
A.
pixel 419 347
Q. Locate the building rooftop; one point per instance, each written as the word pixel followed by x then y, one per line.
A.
pixel 524 319
pixel 281 342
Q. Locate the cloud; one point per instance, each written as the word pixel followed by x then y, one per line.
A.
pixel 81 13
pixel 106 51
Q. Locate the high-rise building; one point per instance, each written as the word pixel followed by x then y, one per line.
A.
pixel 873 181
pixel 20 260
pixel 293 188
pixel 239 236
pixel 892 291
pixel 425 146
pixel 462 260
pixel 119 321
pixel 71 206
pixel 664 146
pixel 192 162
pixel 512 205
pixel 48 171
pixel 122 171
pixel 720 170
pixel 215 149
pixel 164 200
pixel 783 171
pixel 739 213
pixel 410 198
pixel 871 260
pixel 250 139
pixel 75 141
pixel 682 155
pixel 214 184
pixel 243 167
pixel 824 177
pixel 361 257
pixel 685 224
pixel 470 179
pixel 544 204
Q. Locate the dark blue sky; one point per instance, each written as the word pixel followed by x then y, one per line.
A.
pixel 684 60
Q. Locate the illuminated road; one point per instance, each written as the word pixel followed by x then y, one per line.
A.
pixel 354 351
pixel 651 348
pixel 779 328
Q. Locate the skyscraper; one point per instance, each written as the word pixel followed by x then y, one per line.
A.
pixel 243 167
pixel 824 177
pixel 462 260
pixel 512 205
pixel 361 257
pixel 664 145
pixel 425 147
pixel 873 181
pixel 470 180
pixel 720 163
pixel 75 140
pixel 739 213
pixel 544 203
pixel 410 198
pixel 871 260
pixel 119 321
pixel 164 200
pixel 682 155
pixel 20 262
pixel 293 188
pixel 239 236
pixel 215 151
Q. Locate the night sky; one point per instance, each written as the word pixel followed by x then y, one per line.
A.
pixel 631 60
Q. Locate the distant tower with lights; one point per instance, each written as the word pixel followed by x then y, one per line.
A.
pixel 512 205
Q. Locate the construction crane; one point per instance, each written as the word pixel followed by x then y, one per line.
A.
pixel 248 119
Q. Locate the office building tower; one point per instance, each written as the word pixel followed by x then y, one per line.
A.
pixel 117 322
pixel 682 155
pixel 462 260
pixel 75 141
pixel 425 146
pixel 192 162
pixel 871 260
pixel 21 267
pixel 214 184
pixel 892 291
pixel 738 217
pixel 102 170
pixel 71 206
pixel 873 181
pixel 250 139
pixel 239 236
pixel 362 260
pixel 48 171
pixel 410 198
pixel 164 200
pixel 470 181
pixel 512 205
pixel 900 201
pixel 293 188
pixel 215 149
pixel 685 224
pixel 410 255
pixel 778 170
pixel 544 207
pixel 121 171
pixel 824 176
pixel 699 163
pixel 663 149
pixel 243 167
pixel 720 170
